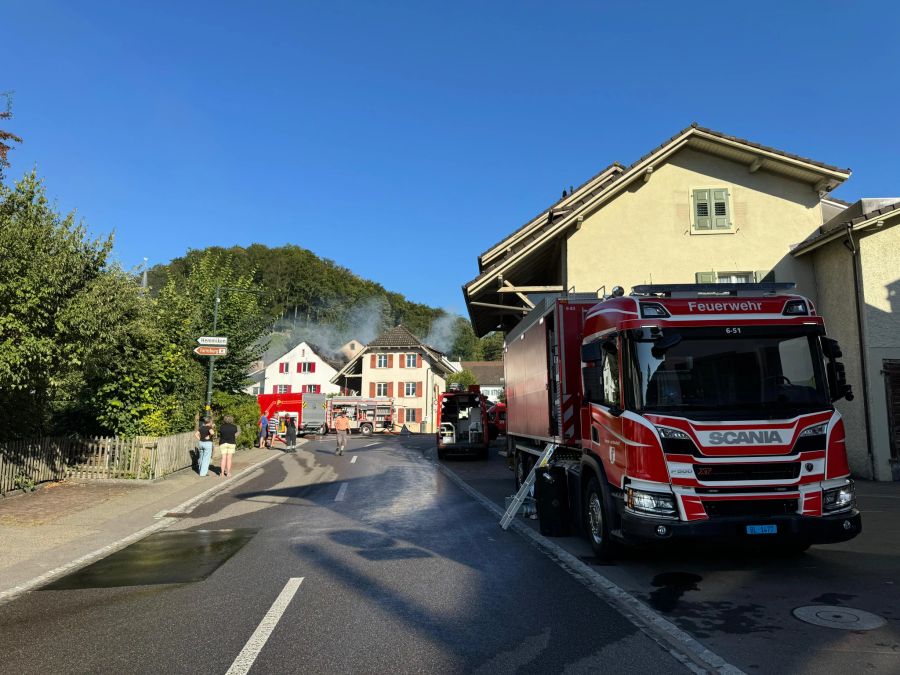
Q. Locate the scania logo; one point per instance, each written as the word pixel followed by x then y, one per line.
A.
pixel 759 437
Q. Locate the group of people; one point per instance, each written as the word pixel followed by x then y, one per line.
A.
pixel 227 434
pixel 268 431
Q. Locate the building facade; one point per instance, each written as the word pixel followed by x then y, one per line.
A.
pixel 488 375
pixel 398 365
pixel 302 369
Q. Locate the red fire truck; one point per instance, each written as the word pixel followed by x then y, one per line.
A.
pixel 366 414
pixel 685 411
pixel 308 410
pixel 462 423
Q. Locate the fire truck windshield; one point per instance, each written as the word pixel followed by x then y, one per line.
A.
pixel 767 374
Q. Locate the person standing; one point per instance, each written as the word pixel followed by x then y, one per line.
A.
pixel 263 429
pixel 205 436
pixel 228 434
pixel 342 427
pixel 273 430
pixel 291 431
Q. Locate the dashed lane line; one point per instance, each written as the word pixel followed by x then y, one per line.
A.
pixel 339 497
pixel 257 641
pixel 353 459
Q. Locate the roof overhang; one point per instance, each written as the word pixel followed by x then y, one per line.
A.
pixel 886 217
pixel 524 258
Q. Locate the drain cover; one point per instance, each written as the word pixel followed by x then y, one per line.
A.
pixel 845 618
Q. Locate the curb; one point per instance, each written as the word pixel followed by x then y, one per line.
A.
pixel 163 521
pixel 677 642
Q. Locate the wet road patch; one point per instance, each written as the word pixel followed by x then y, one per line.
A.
pixel 163 558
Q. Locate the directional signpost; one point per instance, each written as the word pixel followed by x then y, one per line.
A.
pixel 211 351
pixel 209 341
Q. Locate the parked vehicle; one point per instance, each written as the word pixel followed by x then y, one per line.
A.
pixel 692 411
pixel 497 420
pixel 308 410
pixel 366 414
pixel 462 423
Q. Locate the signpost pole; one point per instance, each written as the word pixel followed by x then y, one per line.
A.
pixel 212 359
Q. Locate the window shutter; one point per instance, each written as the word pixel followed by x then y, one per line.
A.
pixel 705 277
pixel 401 414
pixel 373 361
pixel 390 389
pixel 418 389
pixel 721 217
pixel 401 389
pixel 419 417
pixel 418 360
pixel 372 388
pixel 402 360
pixel 287 389
pixel 312 366
pixel 765 276
pixel 299 367
pixel 390 360
pixel 702 210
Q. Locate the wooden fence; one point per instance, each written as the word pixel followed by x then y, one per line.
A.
pixel 26 463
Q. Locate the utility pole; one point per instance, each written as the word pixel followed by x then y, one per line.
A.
pixel 212 359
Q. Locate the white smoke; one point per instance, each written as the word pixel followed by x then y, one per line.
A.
pixel 442 332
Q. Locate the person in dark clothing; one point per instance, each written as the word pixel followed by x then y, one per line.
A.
pixel 228 434
pixel 205 435
pixel 291 431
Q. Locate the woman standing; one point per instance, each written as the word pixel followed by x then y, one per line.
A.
pixel 228 434
pixel 205 436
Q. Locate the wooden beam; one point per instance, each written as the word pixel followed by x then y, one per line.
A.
pixel 505 308
pixel 531 289
pixel 519 294
pixel 755 165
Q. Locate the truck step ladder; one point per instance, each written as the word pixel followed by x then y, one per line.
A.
pixel 519 499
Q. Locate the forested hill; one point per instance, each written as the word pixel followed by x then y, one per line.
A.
pixel 316 299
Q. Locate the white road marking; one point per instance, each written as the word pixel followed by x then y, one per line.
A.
pixel 257 641
pixel 339 497
pixel 353 459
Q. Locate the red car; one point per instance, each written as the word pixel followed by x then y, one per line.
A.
pixel 497 420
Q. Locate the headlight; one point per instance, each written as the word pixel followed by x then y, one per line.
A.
pixel 816 430
pixel 653 503
pixel 840 499
pixel 668 432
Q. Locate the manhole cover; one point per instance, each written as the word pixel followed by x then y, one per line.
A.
pixel 845 618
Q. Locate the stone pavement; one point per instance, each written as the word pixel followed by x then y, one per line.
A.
pixel 64 521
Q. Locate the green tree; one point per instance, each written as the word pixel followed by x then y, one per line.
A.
pixel 6 137
pixel 465 377
pixel 492 346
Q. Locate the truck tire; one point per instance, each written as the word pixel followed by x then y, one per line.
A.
pixel 365 429
pixel 484 454
pixel 597 519
pixel 521 468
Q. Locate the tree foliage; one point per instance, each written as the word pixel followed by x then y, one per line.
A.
pixel 465 377
pixel 7 138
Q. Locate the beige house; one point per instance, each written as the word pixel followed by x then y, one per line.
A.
pixel 856 260
pixel 398 365
pixel 702 207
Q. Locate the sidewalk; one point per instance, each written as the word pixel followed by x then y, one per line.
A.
pixel 63 522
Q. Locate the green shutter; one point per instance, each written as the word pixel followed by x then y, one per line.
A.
pixel 705 277
pixel 765 276
pixel 720 217
pixel 702 210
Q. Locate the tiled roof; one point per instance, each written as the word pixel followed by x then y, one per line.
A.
pixel 485 372
pixel 398 336
pixel 836 226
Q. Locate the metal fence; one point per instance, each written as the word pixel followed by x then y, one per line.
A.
pixel 28 462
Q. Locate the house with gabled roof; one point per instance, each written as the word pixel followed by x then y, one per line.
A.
pixel 399 365
pixel 708 207
pixel 305 368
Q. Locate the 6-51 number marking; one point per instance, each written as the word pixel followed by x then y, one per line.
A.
pixel 733 331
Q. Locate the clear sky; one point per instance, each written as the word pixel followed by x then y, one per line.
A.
pixel 402 139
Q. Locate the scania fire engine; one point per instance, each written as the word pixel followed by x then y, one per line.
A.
pixel 690 411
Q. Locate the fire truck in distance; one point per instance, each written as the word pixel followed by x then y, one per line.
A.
pixel 689 411
pixel 308 410
pixel 366 414
pixel 462 423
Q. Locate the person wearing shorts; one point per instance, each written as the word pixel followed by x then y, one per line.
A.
pixel 342 427
pixel 228 434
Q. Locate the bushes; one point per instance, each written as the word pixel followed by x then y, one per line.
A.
pixel 245 411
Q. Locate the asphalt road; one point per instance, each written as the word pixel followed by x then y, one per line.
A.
pixel 740 603
pixel 402 572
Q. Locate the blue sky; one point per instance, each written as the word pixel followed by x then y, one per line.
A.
pixel 403 139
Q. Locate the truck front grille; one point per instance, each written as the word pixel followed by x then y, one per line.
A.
pixel 750 507
pixel 742 472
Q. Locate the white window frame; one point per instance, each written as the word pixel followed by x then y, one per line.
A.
pixel 415 360
pixel 281 388
pixel 284 367
pixel 381 360
pixel 381 388
pixel 306 367
pixel 726 277
pixel 406 413
pixel 406 389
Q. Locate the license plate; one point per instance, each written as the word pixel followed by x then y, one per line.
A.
pixel 762 529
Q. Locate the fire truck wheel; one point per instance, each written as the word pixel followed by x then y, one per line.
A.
pixel 365 429
pixel 522 467
pixel 596 519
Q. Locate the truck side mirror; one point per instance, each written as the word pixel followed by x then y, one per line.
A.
pixel 664 344
pixel 837 381
pixel 609 346
pixel 591 352
pixel 830 348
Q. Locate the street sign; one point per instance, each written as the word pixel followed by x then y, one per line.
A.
pixel 211 351
pixel 216 341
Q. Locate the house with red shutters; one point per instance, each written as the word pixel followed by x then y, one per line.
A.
pixel 399 365
pixel 303 369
